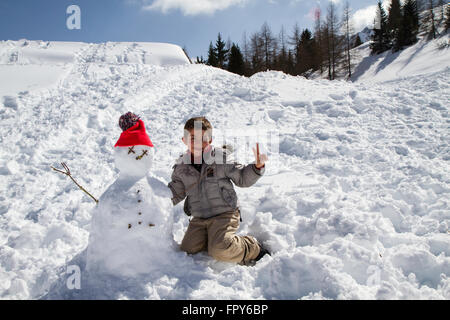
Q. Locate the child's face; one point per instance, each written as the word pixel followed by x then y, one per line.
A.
pixel 196 141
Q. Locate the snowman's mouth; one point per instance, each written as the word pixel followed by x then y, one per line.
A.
pixel 144 153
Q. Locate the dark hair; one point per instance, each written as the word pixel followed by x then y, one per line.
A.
pixel 206 125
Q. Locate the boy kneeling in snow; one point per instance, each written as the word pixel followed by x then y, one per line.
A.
pixel 203 176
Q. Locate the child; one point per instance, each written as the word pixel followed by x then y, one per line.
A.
pixel 204 177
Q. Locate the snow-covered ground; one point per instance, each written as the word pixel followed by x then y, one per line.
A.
pixel 355 204
pixel 423 58
pixel 30 65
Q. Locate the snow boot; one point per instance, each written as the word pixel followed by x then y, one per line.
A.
pixel 262 252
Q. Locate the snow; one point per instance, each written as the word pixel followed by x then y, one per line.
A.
pixel 131 226
pixel 423 58
pixel 365 34
pixel 33 65
pixel 354 204
pixel 130 231
pixel 135 162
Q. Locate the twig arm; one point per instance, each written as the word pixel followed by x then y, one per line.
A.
pixel 67 173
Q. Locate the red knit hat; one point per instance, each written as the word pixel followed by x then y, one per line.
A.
pixel 134 136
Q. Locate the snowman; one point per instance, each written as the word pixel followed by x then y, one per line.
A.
pixel 131 228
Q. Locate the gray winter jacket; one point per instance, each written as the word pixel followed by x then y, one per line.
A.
pixel 210 192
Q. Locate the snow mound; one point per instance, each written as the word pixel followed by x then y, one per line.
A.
pixel 27 65
pixel 24 52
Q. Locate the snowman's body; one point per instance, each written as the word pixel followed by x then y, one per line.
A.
pixel 131 228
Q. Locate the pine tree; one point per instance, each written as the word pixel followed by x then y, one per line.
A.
pixel 228 44
pixel 394 24
pixel 306 53
pixel 394 15
pixel 380 37
pixel 357 42
pixel 236 60
pixel 429 21
pixel 221 52
pixel 410 24
pixel 447 18
pixel 212 56
pixel 441 15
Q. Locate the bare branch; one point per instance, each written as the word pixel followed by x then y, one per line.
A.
pixel 67 173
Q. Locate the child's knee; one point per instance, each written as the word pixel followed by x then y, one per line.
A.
pixel 223 251
pixel 219 254
pixel 191 248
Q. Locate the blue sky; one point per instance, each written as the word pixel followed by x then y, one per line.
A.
pixel 189 23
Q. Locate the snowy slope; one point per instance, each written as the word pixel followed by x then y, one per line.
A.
pixel 355 203
pixel 29 65
pixel 423 58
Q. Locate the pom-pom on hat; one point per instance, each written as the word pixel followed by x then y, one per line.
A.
pixel 128 120
pixel 134 135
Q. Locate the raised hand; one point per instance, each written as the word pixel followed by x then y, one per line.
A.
pixel 260 159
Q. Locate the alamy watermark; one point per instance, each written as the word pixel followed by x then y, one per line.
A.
pixel 240 143
pixel 73 21
pixel 74 279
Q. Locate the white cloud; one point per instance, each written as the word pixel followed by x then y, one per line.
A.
pixel 191 7
pixel 364 18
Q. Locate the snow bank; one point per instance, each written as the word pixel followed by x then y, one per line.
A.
pixel 27 65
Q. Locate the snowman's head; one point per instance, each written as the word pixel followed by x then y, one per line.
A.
pixel 134 161
pixel 134 149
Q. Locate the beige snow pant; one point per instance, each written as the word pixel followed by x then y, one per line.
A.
pixel 218 236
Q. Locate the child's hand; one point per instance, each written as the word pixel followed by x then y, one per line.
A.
pixel 260 158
